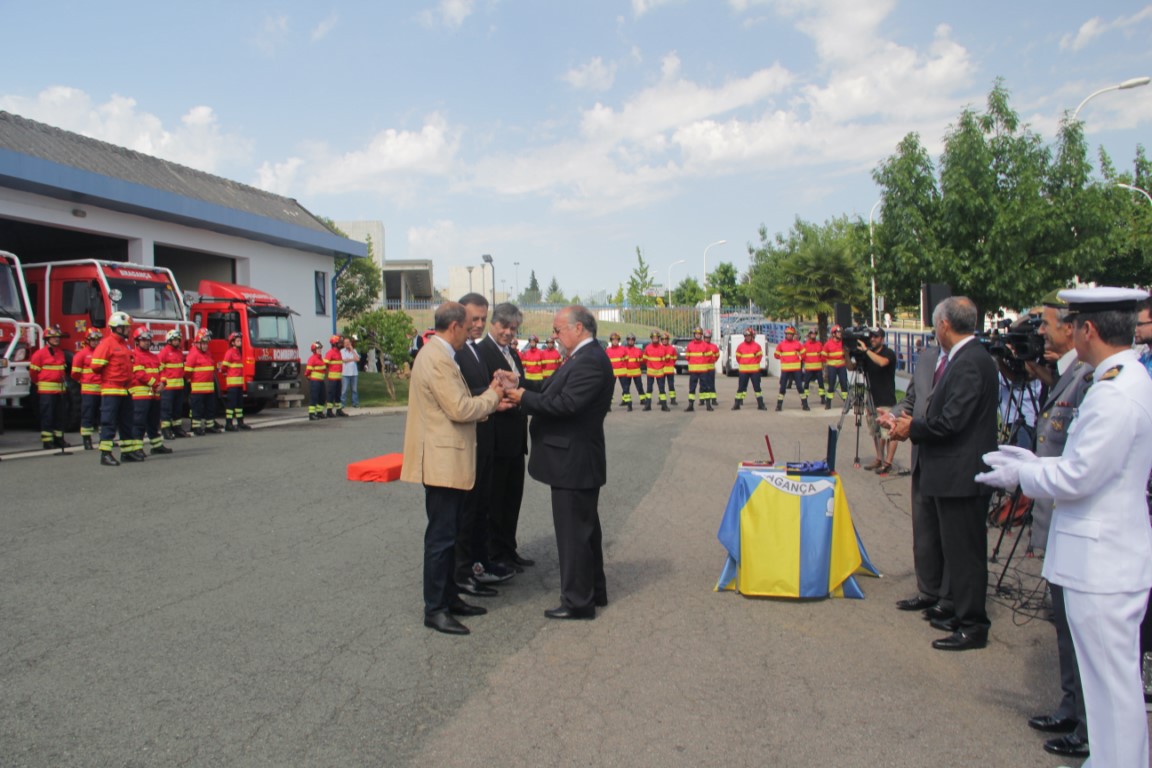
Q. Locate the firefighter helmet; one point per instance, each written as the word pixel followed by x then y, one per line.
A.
pixel 749 331
pixel 234 336
pixel 654 335
pixel 53 332
pixel 203 336
pixel 533 337
pixel 789 329
pixel 317 346
pixel 697 330
pixel 665 336
pixel 94 334
pixel 631 337
pixel 119 320
pixel 334 339
pixel 174 335
pixel 142 334
pixel 614 335
pixel 834 329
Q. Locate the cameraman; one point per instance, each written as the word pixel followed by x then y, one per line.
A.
pixel 878 362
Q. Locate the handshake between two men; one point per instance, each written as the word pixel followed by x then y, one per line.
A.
pixel 507 385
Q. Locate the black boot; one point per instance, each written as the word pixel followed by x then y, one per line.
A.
pixel 134 456
pixel 779 405
pixel 673 398
pixel 229 426
pixel 691 406
pixel 664 406
pixel 828 404
pixel 108 460
pixel 60 442
pixel 88 442
pixel 241 425
pixel 178 431
pixel 198 431
pixel 760 406
pixel 313 417
pixel 647 405
pixel 629 406
pixel 736 405
pixel 708 404
pixel 161 449
pixel 340 412
pixel 804 403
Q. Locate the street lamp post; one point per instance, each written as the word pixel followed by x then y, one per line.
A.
pixel 718 242
pixel 516 283
pixel 1134 82
pixel 681 261
pixel 470 278
pixel 491 266
pixel 872 257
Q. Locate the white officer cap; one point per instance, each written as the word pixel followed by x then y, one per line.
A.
pixel 1103 299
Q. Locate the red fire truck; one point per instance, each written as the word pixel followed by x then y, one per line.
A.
pixel 19 333
pixel 271 357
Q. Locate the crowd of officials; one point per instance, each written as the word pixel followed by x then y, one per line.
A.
pixel 134 397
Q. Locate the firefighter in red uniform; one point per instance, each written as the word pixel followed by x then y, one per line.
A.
pixel 632 357
pixel 669 366
pixel 748 356
pixel 618 356
pixel 532 358
pixel 654 362
pixel 49 367
pixel 835 371
pixel 335 376
pixel 233 365
pixel 112 363
pixel 708 382
pixel 814 363
pixel 89 388
pixel 172 393
pixel 201 372
pixel 551 357
pixel 699 357
pixel 145 386
pixel 316 371
pixel 790 353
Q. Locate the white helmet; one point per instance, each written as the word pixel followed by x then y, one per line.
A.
pixel 119 320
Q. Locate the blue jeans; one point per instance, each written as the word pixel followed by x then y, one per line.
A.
pixel 350 386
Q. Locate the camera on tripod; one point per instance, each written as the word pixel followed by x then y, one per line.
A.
pixel 851 337
pixel 1015 343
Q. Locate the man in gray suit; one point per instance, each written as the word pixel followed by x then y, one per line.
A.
pixel 1067 384
pixel 953 430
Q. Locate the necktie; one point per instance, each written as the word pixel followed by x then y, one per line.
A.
pixel 939 374
pixel 508 357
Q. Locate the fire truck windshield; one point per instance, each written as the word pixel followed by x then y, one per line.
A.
pixel 146 300
pixel 271 329
pixel 11 302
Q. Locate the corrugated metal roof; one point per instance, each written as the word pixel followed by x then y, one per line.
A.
pixel 177 185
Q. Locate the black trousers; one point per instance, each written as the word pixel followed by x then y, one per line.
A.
pixel 744 380
pixel 961 552
pixel 443 506
pixel 51 416
pixel 146 421
pixel 115 416
pixel 234 403
pixel 579 544
pixel 472 525
pixel 172 408
pixel 626 383
pixel 504 506
pixel 203 408
pixel 793 377
pixel 334 393
pixel 834 376
pixel 89 414
pixel 316 402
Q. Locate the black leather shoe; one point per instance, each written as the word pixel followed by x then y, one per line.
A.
pixel 443 622
pixel 524 562
pixel 949 624
pixel 462 608
pixel 108 460
pixel 600 601
pixel 1050 724
pixel 937 612
pixel 130 457
pixel 470 587
pixel 571 613
pixel 915 603
pixel 961 641
pixel 1067 746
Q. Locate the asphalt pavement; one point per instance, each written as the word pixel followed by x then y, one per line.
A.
pixel 240 603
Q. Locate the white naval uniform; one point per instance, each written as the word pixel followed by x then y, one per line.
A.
pixel 1100 550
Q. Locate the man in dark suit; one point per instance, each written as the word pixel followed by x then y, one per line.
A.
pixel 568 454
pixel 498 351
pixel 474 570
pixel 956 428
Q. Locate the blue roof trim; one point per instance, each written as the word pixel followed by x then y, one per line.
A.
pixel 32 174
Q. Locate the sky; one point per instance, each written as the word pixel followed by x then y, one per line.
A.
pixel 559 137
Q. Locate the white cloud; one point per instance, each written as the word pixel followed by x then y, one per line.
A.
pixel 641 7
pixel 321 30
pixel 197 142
pixel 1097 27
pixel 448 13
pixel 593 76
pixel 272 34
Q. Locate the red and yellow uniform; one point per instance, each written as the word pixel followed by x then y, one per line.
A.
pixel 89 390
pixel 316 371
pixel 654 356
pixel 748 357
pixel 698 355
pixel 835 372
pixel 790 353
pixel 49 369
pixel 200 369
pixel 112 365
pixel 335 376
pixel 48 366
pixel 145 400
pixel 814 364
pixel 532 358
pixel 550 357
pixel 749 353
pixel 618 356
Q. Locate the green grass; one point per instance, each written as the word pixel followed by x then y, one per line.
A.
pixel 374 393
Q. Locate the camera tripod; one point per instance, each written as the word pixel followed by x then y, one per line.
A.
pixel 859 402
pixel 1015 508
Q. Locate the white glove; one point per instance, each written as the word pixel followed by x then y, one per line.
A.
pixel 1006 476
pixel 1021 454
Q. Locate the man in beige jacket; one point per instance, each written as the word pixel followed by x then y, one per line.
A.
pixel 440 453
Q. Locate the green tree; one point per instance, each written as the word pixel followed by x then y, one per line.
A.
pixel 387 332
pixel 531 294
pixel 555 295
pixel 618 297
pixel 725 280
pixel 358 287
pixel 641 284
pixel 806 273
pixel 688 293
pixel 1126 256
